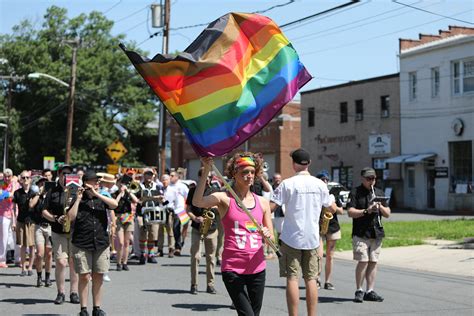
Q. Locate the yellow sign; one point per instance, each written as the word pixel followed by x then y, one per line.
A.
pixel 113 169
pixel 116 150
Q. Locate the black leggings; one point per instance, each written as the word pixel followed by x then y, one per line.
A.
pixel 246 291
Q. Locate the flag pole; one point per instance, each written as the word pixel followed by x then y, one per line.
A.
pixel 244 208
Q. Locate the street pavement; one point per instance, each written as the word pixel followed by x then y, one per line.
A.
pixel 419 280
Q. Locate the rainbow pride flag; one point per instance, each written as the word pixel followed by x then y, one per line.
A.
pixel 229 83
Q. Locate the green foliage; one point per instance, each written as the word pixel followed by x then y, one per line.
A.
pixel 108 90
pixel 414 233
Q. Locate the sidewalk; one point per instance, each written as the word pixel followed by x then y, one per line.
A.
pixel 438 256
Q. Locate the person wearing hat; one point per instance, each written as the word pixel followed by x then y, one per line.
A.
pixel 42 235
pixel 332 235
pixel 90 240
pixel 303 197
pixel 54 212
pixel 367 233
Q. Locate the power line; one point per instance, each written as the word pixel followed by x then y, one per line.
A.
pixel 430 12
pixel 131 14
pixel 106 11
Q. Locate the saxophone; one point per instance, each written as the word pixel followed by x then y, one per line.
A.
pixel 327 216
pixel 208 216
pixel 67 202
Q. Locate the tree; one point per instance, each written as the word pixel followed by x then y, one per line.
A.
pixel 108 90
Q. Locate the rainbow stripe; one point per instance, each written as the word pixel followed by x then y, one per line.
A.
pixel 183 217
pixel 229 83
pixel 250 226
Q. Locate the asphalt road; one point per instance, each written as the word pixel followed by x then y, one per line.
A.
pixel 163 289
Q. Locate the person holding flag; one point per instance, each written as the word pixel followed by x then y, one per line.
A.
pixel 243 261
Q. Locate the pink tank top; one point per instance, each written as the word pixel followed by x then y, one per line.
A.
pixel 243 251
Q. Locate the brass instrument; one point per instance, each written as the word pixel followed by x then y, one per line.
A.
pixel 66 206
pixel 327 216
pixel 134 187
pixel 208 216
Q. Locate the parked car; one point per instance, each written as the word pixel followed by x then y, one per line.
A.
pixel 339 190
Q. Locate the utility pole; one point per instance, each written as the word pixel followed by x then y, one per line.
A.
pixel 163 115
pixel 72 89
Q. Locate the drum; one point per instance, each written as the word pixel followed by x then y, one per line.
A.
pixel 154 215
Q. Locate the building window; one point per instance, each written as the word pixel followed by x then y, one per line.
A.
pixel 385 106
pixel 359 110
pixel 310 117
pixel 460 165
pixel 379 163
pixel 343 112
pixel 343 175
pixel 413 83
pixel 463 76
pixel 434 82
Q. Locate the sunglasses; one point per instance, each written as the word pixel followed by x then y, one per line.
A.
pixel 25 178
pixel 370 178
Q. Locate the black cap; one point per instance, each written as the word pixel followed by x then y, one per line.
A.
pixel 61 169
pixel 301 157
pixel 89 175
pixel 368 172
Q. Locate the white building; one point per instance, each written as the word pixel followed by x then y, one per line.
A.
pixel 437 120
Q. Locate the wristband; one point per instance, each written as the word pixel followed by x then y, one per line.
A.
pixel 365 211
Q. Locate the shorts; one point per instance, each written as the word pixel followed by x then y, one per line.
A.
pixel 61 246
pixel 293 260
pixel 43 236
pixel 366 249
pixel 148 232
pixel 332 236
pixel 25 234
pixel 86 261
pixel 127 227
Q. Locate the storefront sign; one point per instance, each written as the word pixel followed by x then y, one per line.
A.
pixel 380 144
pixel 441 172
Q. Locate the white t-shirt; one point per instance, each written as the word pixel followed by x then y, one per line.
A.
pixel 303 197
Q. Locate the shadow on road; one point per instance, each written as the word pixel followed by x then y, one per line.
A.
pixel 26 301
pixel 9 285
pixel 201 307
pixel 167 291
pixel 325 299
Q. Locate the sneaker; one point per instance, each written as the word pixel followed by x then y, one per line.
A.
pixel 171 253
pixel 74 298
pixel 125 267
pixel 159 253
pixel 60 299
pixel 84 312
pixel 319 284
pixel 329 286
pixel 211 290
pixel 152 260
pixel 359 296
pixel 177 252
pixel 194 289
pixel 373 297
pixel 98 312
pixel 30 272
pixel 106 277
pixel 3 265
pixel 23 273
pixel 48 283
pixel 142 259
pixel 119 267
pixel 39 282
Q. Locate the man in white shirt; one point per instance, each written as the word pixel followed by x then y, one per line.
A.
pixel 182 189
pixel 303 197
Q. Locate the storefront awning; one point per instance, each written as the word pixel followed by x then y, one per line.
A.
pixel 413 158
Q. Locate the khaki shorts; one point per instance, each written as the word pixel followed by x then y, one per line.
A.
pixel 293 260
pixel 366 249
pixel 127 227
pixel 25 234
pixel 61 246
pixel 43 236
pixel 332 236
pixel 148 232
pixel 86 261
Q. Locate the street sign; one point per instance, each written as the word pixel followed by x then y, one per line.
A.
pixel 113 169
pixel 58 165
pixel 116 150
pixel 48 162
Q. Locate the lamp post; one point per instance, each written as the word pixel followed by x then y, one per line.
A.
pixel 5 146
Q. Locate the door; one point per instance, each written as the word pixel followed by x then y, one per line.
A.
pixel 410 188
pixel 430 185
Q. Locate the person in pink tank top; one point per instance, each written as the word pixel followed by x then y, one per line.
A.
pixel 243 260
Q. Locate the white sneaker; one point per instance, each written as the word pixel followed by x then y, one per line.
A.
pixel 106 277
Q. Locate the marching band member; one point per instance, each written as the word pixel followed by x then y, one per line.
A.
pixel 151 196
pixel 243 262
pixel 124 223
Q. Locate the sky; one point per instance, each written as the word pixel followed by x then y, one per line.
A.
pixel 354 43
